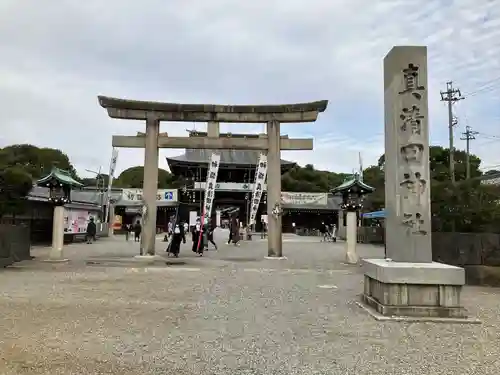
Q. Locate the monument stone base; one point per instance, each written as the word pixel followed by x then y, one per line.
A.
pixel 414 290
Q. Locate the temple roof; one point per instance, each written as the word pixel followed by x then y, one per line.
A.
pixel 232 157
pixel 60 175
pixel 355 181
pixel 109 102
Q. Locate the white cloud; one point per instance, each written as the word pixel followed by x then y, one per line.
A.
pixel 57 57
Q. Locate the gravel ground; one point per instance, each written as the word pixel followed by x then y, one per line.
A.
pixel 229 312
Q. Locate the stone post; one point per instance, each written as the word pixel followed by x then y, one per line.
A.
pixel 150 187
pixel 111 220
pixel 407 182
pixel 351 238
pixel 274 189
pixel 408 283
pixel 56 252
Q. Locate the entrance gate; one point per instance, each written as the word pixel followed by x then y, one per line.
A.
pixel 152 140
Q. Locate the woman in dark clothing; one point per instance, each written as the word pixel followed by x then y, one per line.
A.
pixel 137 231
pixel 230 233
pixel 177 238
pixel 91 230
pixel 235 231
pixel 210 236
pixel 198 238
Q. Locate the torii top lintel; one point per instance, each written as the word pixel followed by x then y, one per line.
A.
pixel 143 110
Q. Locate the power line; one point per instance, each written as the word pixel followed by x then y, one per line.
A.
pixel 451 96
pixel 468 136
pixel 485 86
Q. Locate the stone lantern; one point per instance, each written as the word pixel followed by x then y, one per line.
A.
pixel 59 182
pixel 352 192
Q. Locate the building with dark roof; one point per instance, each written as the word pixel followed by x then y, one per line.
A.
pixel 235 183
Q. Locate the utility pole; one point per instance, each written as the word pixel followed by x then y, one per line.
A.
pixel 469 135
pixel 451 96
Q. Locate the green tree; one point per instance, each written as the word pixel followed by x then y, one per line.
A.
pixel 134 178
pixel 467 206
pixel 15 185
pixel 439 159
pixel 308 179
pixel 100 181
pixel 35 161
pixel 374 176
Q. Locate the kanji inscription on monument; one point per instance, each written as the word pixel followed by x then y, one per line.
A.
pixel 408 226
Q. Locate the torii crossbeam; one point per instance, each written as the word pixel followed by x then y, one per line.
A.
pixel 273 143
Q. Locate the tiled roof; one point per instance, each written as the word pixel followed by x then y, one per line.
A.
pixel 61 176
pixel 232 157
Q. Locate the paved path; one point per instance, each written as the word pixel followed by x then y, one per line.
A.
pixel 229 312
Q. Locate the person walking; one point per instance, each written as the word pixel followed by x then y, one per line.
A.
pixel 323 231
pixel 230 232
pixel 137 231
pixel 198 245
pixel 91 231
pixel 235 230
pixel 128 229
pixel 210 236
pixel 263 231
pixel 174 246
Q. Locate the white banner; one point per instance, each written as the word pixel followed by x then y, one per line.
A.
pixel 168 195
pixel 112 168
pixel 320 199
pixel 213 170
pixel 217 218
pixel 260 179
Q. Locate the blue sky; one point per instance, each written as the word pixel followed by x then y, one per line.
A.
pixel 56 57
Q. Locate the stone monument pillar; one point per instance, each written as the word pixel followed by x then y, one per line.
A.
pixel 351 237
pixel 408 283
pixel 56 252
pixel 274 191
pixel 148 235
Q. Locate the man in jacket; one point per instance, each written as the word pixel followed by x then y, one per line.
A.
pixel 91 230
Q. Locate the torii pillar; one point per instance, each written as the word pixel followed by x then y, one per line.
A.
pixel 273 143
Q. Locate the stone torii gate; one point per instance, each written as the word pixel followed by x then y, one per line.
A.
pixel 152 140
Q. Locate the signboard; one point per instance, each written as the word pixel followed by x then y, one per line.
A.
pixel 319 199
pixel 75 221
pixel 213 170
pixel 260 179
pixel 117 222
pixel 229 186
pixel 167 195
pixel 193 215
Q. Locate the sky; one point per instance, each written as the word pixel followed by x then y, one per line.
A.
pixel 57 56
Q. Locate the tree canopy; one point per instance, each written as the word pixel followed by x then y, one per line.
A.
pixel 467 206
pixel 308 179
pixel 20 166
pixel 134 177
pixel 35 161
pixel 15 185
